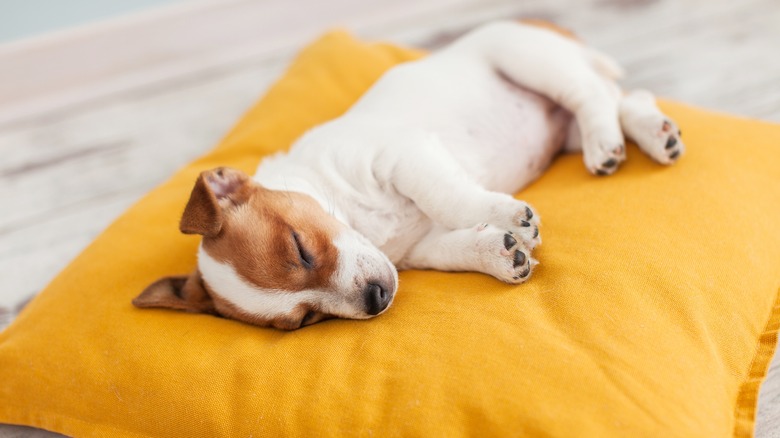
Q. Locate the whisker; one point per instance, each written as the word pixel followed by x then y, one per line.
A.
pixel 332 203
pixel 287 191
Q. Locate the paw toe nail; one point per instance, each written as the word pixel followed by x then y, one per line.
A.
pixel 536 232
pixel 601 172
pixel 526 272
pixel 519 259
pixel 509 241
pixel 528 213
pixel 674 155
pixel 525 224
pixel 671 142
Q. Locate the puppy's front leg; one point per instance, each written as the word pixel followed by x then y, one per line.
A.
pixel 430 176
pixel 483 248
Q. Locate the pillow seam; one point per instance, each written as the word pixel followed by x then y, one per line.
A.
pixel 747 397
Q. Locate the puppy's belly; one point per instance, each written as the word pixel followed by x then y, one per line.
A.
pixel 508 146
pixel 503 135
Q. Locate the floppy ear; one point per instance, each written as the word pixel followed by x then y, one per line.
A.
pixel 214 190
pixel 180 293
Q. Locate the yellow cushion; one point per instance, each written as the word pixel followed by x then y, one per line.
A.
pixel 651 313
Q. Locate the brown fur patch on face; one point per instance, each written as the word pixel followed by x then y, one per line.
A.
pixel 277 240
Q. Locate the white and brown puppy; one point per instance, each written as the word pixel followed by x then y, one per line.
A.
pixel 417 174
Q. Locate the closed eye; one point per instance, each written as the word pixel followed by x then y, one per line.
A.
pixel 306 259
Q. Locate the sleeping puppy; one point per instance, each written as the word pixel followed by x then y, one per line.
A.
pixel 418 174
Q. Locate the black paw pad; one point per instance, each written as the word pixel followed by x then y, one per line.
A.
pixel 525 272
pixel 670 143
pixel 609 163
pixel 519 259
pixel 674 155
pixel 601 172
pixel 509 241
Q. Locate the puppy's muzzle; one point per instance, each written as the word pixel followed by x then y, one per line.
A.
pixel 377 296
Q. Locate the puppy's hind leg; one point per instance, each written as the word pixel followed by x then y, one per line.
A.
pixel 568 73
pixel 484 248
pixel 654 132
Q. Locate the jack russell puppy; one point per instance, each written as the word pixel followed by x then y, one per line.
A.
pixel 418 174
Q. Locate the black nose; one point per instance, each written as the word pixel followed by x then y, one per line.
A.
pixel 377 298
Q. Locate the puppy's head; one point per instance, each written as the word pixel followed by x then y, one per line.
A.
pixel 273 258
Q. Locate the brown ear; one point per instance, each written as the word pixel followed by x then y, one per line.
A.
pixel 214 190
pixel 180 293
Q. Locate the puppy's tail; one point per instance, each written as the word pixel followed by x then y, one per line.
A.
pixel 604 64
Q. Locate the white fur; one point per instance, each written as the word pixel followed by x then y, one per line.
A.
pixel 436 147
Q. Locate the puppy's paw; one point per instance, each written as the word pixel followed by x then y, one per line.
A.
pixel 660 138
pixel 603 152
pixel 655 133
pixel 521 220
pixel 505 255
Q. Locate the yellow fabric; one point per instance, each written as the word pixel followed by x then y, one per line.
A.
pixel 650 315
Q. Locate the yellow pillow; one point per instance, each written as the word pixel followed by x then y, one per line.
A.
pixel 653 312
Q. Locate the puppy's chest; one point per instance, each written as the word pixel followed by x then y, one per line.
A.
pixel 391 221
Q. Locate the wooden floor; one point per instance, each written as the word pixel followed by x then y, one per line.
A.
pixel 83 138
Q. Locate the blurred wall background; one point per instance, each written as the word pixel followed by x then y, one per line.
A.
pixel 27 18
